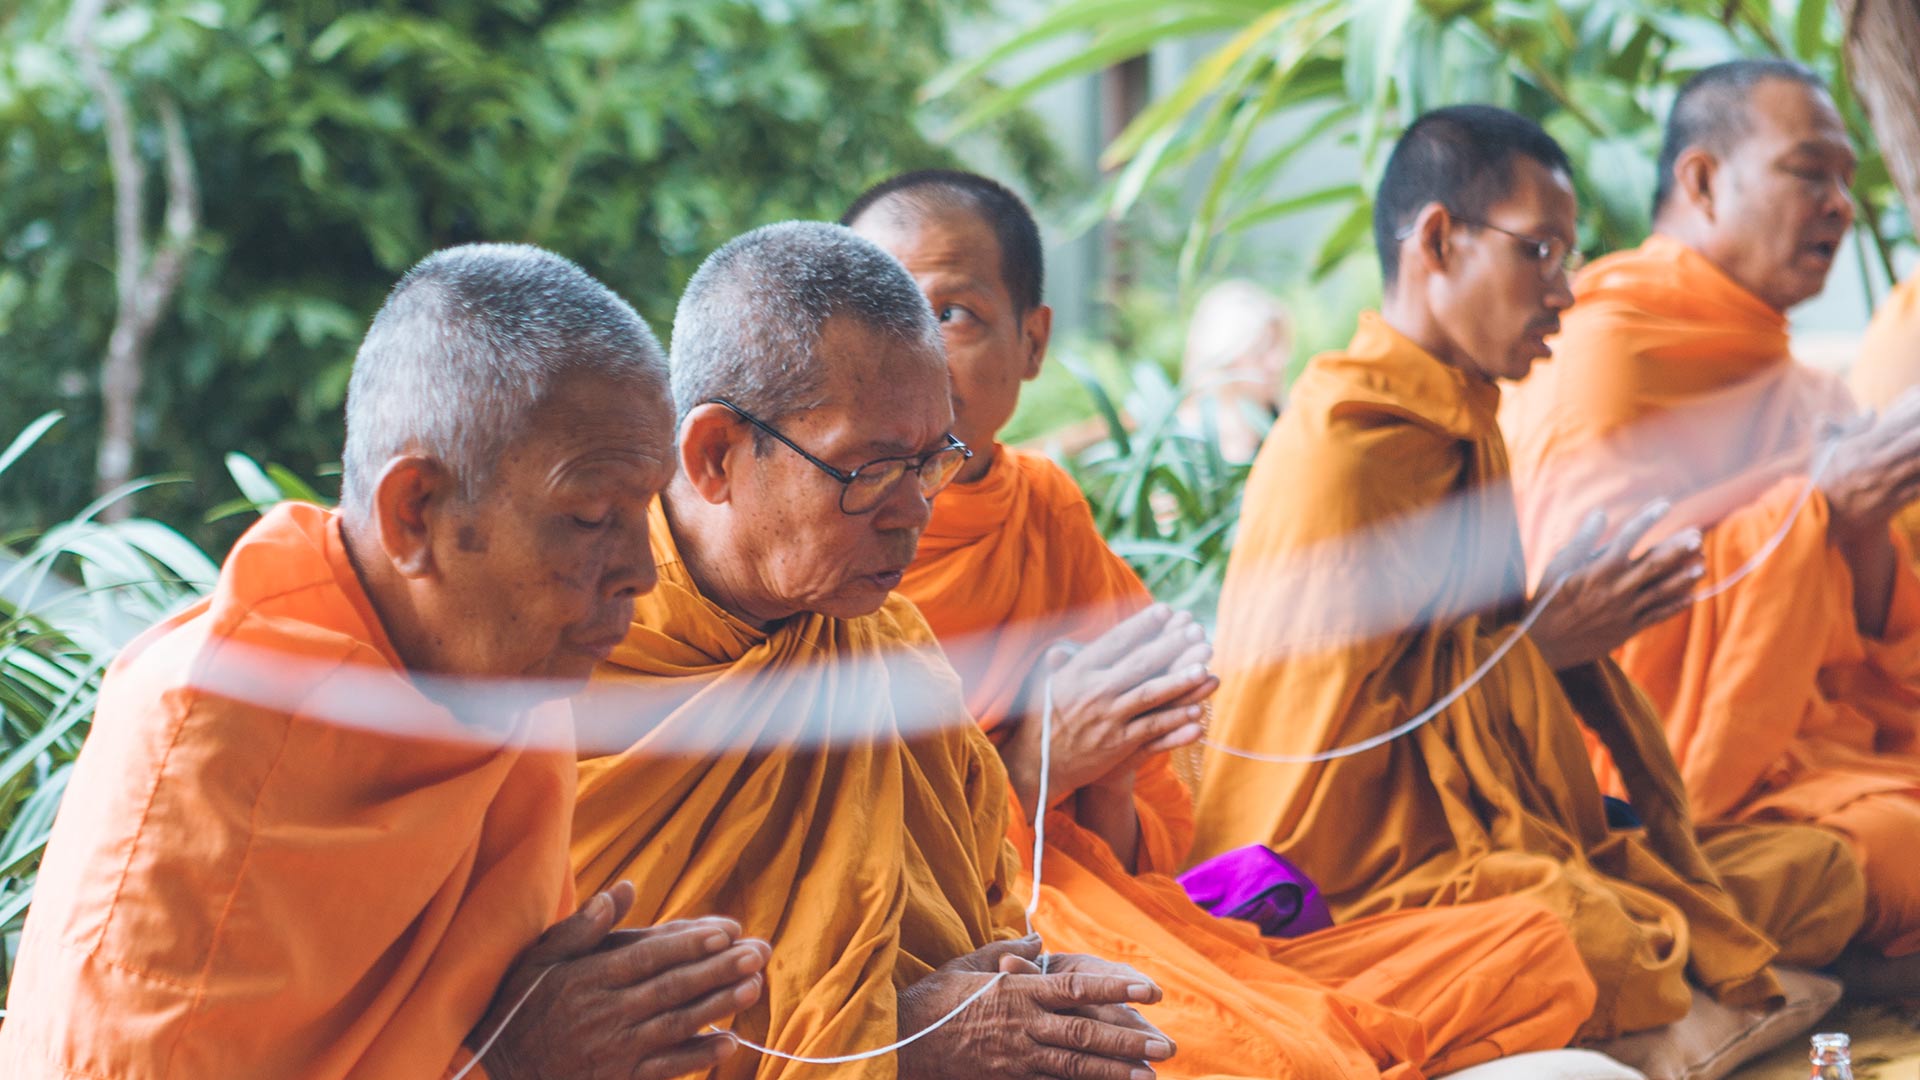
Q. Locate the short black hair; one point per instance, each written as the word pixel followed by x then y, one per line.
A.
pixel 1461 157
pixel 1711 110
pixel 1022 266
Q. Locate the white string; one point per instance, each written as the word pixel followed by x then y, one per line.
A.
pixel 1822 457
pixel 504 1021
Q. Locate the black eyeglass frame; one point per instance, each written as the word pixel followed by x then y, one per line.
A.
pixel 1569 263
pixel 915 463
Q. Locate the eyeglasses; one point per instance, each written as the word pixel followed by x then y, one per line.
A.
pixel 1551 254
pixel 865 488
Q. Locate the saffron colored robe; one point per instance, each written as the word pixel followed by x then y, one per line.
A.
pixel 1889 365
pixel 1377 566
pixel 779 790
pixel 233 891
pixel 1669 379
pixel 1012 563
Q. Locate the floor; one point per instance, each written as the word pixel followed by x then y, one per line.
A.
pixel 1886 1045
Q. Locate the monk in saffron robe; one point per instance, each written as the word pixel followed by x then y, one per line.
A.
pixel 816 775
pixel 1009 565
pixel 1378 568
pixel 1790 693
pixel 298 843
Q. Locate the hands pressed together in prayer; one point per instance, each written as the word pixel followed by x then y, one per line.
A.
pixel 1074 1021
pixel 623 1003
pixel 1874 474
pixel 1137 690
pixel 1611 594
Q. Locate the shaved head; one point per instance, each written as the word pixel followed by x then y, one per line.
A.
pixel 468 346
pixel 909 197
pixel 1714 111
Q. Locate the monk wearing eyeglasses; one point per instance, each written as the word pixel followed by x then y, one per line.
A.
pixel 1378 568
pixel 1793 694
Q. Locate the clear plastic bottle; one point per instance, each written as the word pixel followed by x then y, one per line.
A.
pixel 1832 1057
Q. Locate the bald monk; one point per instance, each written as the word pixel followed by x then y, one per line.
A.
pixel 1794 694
pixel 278 887
pixel 1009 565
pixel 1378 566
pixel 816 775
pixel 1889 366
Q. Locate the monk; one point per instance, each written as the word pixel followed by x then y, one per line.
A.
pixel 816 775
pixel 253 887
pixel 1378 568
pixel 1790 693
pixel 1888 367
pixel 1010 564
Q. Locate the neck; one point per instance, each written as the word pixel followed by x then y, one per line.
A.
pixel 388 592
pixel 977 466
pixel 710 550
pixel 1410 316
pixel 1697 236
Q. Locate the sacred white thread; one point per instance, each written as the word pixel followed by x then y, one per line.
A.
pixel 1822 457
pixel 504 1021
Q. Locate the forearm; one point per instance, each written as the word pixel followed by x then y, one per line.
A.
pixel 1108 811
pixel 1873 561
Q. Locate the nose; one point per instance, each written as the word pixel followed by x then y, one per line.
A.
pixel 905 507
pixel 631 571
pixel 1560 291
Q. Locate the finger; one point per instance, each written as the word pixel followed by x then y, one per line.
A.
pixel 1198 695
pixel 660 952
pixel 1127 635
pixel 1075 989
pixel 1161 723
pixel 1056 1063
pixel 1156 694
pixel 580 933
pixel 676 986
pixel 1185 735
pixel 696 1055
pixel 988 958
pixel 666 1027
pixel 1018 965
pixel 629 935
pixel 1125 1016
pixel 1090 1036
pixel 1183 644
pixel 1637 527
pixel 1667 562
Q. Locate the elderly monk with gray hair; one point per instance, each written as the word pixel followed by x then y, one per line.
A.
pixel 280 885
pixel 818 776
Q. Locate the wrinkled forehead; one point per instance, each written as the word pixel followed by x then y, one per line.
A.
pixel 1784 114
pixel 620 421
pixel 892 388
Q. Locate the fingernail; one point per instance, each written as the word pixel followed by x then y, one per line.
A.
pixel 744 994
pixel 1142 992
pixel 1194 711
pixel 1141 1074
pixel 1197 671
pixel 1159 1049
pixel 1691 538
pixel 748 963
pixel 600 906
pixel 1696 572
pixel 714 942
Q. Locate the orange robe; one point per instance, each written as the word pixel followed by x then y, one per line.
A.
pixel 232 891
pixel 1889 365
pixel 1014 562
pixel 1671 380
pixel 1376 566
pixel 865 863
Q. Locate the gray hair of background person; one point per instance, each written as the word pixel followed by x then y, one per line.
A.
pixel 467 346
pixel 749 325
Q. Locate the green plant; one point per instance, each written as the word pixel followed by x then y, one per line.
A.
pixel 1291 113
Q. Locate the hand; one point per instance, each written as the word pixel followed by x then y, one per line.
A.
pixel 1874 473
pixel 1610 593
pixel 1136 690
pixel 627 1003
pixel 1030 1026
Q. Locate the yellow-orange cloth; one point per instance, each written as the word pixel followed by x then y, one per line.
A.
pixel 1013 562
pixel 865 861
pixel 1889 365
pixel 1670 380
pixel 233 891
pixel 1377 565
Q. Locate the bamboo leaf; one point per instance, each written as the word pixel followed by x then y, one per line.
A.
pixel 24 441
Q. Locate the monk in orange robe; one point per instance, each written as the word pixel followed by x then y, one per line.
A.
pixel 1377 568
pixel 1010 564
pixel 1790 693
pixel 1888 366
pixel 816 775
pixel 254 875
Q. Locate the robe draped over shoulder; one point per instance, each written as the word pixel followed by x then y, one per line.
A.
pixel 1670 380
pixel 234 890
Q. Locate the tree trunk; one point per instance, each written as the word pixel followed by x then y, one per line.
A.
pixel 144 285
pixel 1883 54
pixel 1123 96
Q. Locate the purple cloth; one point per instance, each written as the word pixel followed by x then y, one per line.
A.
pixel 1256 884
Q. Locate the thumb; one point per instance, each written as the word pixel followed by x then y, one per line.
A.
pixel 990 958
pixel 1018 965
pixel 583 931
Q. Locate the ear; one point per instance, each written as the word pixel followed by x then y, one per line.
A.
pixel 1432 239
pixel 410 501
pixel 710 436
pixel 1693 175
pixel 1036 330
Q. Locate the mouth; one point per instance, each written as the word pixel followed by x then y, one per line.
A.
pixel 888 579
pixel 1825 250
pixel 602 646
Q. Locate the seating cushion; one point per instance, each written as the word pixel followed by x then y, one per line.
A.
pixel 1551 1065
pixel 1713 1040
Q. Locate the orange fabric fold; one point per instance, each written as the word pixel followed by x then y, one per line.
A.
pixel 781 789
pixel 1014 562
pixel 1776 706
pixel 1378 565
pixel 234 891
pixel 1889 365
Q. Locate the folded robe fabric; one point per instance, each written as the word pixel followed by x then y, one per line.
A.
pixel 778 789
pixel 1377 566
pixel 1012 563
pixel 237 891
pixel 1670 380
pixel 1889 365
